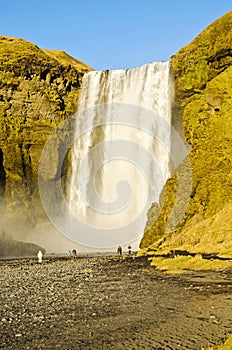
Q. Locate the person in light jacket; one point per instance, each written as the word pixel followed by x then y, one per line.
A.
pixel 40 255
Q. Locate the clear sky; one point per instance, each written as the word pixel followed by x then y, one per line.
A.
pixel 110 34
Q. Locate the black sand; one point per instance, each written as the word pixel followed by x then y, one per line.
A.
pixel 107 303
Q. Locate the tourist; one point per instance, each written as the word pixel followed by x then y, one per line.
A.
pixel 74 254
pixel 129 249
pixel 39 256
pixel 119 250
pixel 69 254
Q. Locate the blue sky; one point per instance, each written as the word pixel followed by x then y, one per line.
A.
pixel 110 34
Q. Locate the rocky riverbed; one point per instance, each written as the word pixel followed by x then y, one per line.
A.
pixel 108 303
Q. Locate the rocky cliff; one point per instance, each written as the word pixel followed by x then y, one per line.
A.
pixel 203 74
pixel 14 248
pixel 38 89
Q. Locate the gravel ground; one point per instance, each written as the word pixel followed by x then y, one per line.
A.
pixel 108 303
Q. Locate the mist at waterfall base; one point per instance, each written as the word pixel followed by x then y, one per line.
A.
pixel 122 155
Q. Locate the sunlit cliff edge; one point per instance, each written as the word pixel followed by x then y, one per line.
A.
pixel 203 99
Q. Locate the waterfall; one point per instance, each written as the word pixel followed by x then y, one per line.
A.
pixel 121 157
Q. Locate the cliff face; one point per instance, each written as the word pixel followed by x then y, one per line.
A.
pixel 38 89
pixel 10 247
pixel 203 75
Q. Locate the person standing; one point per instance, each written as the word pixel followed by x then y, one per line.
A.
pixel 74 254
pixel 40 256
pixel 129 249
pixel 120 251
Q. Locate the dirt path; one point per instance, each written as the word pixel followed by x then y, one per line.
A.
pixel 105 303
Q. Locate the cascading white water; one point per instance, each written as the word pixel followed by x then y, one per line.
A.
pixel 128 111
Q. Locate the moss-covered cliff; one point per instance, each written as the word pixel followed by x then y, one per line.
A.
pixel 38 89
pixel 203 81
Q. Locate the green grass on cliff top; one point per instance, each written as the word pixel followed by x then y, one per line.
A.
pixel 194 64
pixel 66 60
pixel 14 51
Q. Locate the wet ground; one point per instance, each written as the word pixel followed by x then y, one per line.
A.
pixel 107 303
